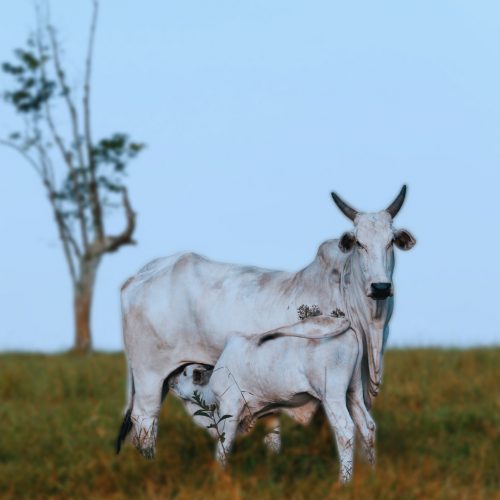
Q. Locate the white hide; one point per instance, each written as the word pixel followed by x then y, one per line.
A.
pixel 284 373
pixel 183 309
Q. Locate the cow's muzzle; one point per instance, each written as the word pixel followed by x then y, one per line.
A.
pixel 380 291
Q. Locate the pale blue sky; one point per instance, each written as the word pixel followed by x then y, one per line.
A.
pixel 253 112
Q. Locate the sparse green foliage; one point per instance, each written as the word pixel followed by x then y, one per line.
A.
pixel 33 88
pixel 212 413
pixel 438 428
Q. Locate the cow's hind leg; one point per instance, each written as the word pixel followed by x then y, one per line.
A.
pixel 364 423
pixel 145 411
pixel 360 414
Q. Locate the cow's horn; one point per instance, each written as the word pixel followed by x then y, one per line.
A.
pixel 396 205
pixel 344 207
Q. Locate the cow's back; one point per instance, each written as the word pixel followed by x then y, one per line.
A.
pixel 191 305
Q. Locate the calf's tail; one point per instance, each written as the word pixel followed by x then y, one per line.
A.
pixel 333 331
pixel 127 419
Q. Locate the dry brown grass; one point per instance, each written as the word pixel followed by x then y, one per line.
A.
pixel 438 419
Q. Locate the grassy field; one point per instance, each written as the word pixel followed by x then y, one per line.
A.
pixel 438 419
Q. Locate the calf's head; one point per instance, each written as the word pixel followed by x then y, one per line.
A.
pixel 373 239
pixel 190 379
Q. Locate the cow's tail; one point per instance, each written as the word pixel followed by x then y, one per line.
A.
pixel 127 419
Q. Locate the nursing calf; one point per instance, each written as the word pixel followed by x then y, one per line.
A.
pixel 291 370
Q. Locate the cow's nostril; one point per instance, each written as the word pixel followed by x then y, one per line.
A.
pixel 381 287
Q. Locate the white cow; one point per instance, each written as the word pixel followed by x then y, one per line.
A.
pixel 182 309
pixel 261 374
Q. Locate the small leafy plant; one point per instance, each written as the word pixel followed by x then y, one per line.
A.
pixel 211 411
pixel 337 313
pixel 305 311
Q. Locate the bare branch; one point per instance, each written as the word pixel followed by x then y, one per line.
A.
pixel 65 153
pixel 57 212
pixel 86 86
pixel 67 159
pixel 66 93
pixel 113 243
pixel 64 235
pixel 49 182
pixel 93 189
pixel 125 237
pixel 23 153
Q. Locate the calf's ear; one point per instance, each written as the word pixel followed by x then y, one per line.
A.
pixel 347 241
pixel 200 376
pixel 404 240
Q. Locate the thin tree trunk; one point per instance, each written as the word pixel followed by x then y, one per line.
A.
pixel 83 295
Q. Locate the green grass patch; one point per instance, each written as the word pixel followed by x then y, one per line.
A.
pixel 438 418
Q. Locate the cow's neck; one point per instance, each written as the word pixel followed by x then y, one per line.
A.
pixel 370 318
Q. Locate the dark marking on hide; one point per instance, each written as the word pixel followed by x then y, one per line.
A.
pixel 164 389
pixel 270 336
pixel 298 399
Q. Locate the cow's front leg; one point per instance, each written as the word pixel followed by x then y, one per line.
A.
pixel 272 439
pixel 343 428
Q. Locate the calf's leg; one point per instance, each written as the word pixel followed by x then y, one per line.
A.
pixel 227 429
pixel 272 439
pixel 343 427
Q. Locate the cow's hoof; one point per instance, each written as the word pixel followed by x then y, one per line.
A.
pixel 345 473
pixel 369 453
pixel 148 453
pixel 371 456
pixel 222 459
pixel 144 439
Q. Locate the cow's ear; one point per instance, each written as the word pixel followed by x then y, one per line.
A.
pixel 404 240
pixel 347 241
pixel 201 377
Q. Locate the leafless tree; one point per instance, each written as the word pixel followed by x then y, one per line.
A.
pixel 83 178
